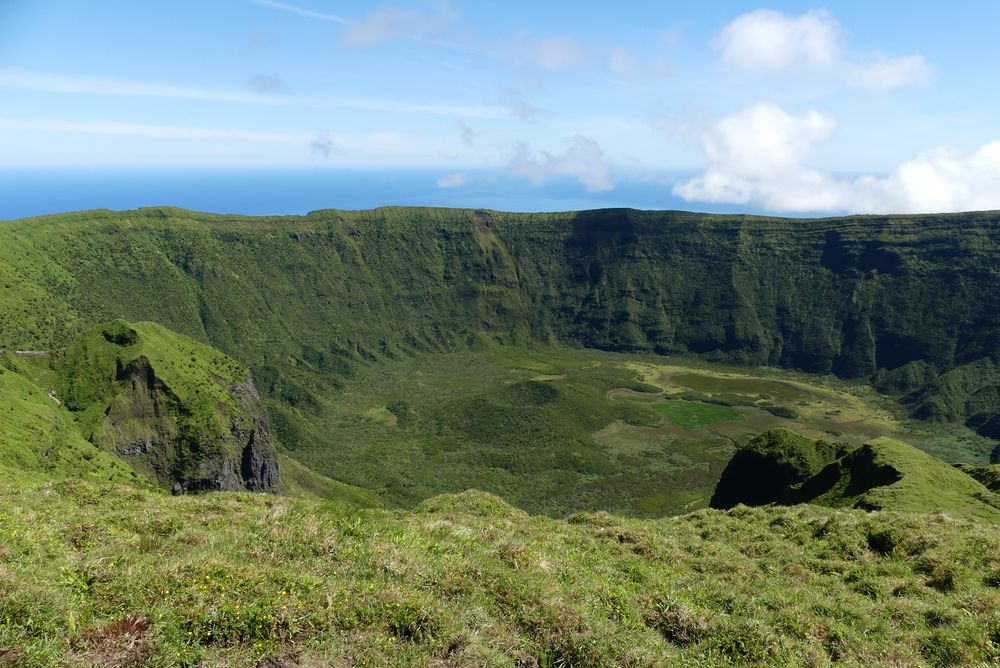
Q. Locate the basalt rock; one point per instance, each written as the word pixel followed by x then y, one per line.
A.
pixel 174 409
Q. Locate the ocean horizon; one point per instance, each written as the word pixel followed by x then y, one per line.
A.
pixel 38 192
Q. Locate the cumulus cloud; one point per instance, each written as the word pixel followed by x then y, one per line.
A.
pixel 755 157
pixel 322 146
pixel 758 156
pixel 456 180
pixel 583 160
pixel 939 180
pixel 388 23
pixel 768 41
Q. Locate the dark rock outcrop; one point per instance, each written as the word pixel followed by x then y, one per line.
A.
pixel 175 410
pixel 762 470
pixel 147 424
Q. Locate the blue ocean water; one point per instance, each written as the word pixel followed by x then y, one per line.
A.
pixel 297 191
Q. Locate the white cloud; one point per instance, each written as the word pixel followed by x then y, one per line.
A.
pixel 45 82
pixel 768 41
pixel 755 157
pixel 456 180
pixel 142 130
pixel 557 53
pixel 308 13
pixel 758 156
pixel 583 160
pixel 389 23
pixel 884 73
pixel 938 180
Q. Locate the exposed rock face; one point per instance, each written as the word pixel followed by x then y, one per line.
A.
pixel 189 441
pixel 259 460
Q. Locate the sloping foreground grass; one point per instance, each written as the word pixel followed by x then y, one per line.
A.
pixel 108 575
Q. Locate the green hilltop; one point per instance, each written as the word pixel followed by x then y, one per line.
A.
pixel 883 474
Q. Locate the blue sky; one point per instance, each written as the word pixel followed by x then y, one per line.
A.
pixel 788 107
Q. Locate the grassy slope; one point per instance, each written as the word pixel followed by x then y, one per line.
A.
pixel 196 373
pixel 304 300
pixel 300 481
pixel 988 474
pixel 780 466
pixel 41 440
pixel 534 425
pixel 92 574
pixel 38 439
pixel 926 484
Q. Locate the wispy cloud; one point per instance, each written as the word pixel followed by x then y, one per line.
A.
pixel 45 82
pixel 143 130
pixel 388 23
pixel 884 73
pixel 12 79
pixel 519 107
pixel 308 13
pixel 583 160
pixel 556 53
pixel 467 133
pixel 456 180
pixel 267 84
pixel 322 146
pixel 213 144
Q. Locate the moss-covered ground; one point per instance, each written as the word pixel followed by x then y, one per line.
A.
pixel 109 575
pixel 556 430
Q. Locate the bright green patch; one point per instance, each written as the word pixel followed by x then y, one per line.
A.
pixel 382 415
pixel 690 415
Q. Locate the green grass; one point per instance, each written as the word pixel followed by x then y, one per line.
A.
pixel 924 484
pixel 751 387
pixel 98 575
pixel 178 411
pixel 987 474
pixel 780 466
pixel 416 426
pixel 304 301
pixel 409 352
pixel 38 439
pixel 691 415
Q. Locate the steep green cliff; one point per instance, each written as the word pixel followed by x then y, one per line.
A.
pixel 175 409
pixel 38 439
pixel 302 300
